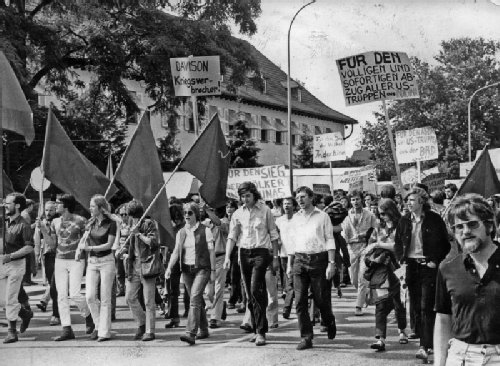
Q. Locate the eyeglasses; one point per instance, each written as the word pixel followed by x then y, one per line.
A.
pixel 382 213
pixel 189 213
pixel 58 202
pixel 472 225
pixel 123 214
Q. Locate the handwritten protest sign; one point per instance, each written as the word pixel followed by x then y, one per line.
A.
pixel 323 189
pixel 355 178
pixel 418 144
pixel 270 181
pixel 374 76
pixel 435 181
pixel 329 147
pixel 194 76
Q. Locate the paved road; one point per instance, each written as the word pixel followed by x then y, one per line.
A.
pixel 227 345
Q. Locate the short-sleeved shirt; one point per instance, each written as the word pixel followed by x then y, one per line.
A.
pixel 312 233
pixel 472 302
pixel 253 228
pixel 68 232
pixel 285 227
pixel 99 234
pixel 17 235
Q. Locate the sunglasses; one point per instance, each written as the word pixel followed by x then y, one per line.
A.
pixel 189 213
pixel 472 225
pixel 123 214
pixel 382 213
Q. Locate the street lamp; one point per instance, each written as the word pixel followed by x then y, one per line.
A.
pixel 289 99
pixel 468 116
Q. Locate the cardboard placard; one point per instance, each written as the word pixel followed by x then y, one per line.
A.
pixel 329 147
pixel 418 144
pixel 194 76
pixel 323 189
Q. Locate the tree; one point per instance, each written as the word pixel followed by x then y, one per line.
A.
pixel 304 157
pixel 463 66
pixel 242 148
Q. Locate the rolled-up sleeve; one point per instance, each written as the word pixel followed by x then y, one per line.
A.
pixel 210 238
pixel 234 228
pixel 273 232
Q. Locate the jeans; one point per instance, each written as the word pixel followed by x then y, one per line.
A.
pixel 68 274
pixel 100 271
pixel 140 316
pixel 12 273
pixel 120 275
pixel 254 263
pixel 236 289
pixel 174 291
pixel 384 307
pixel 196 280
pixel 49 260
pixel 288 287
pixel 421 281
pixel 309 271
pixel 272 297
pixel 356 272
pixel 220 280
pixel 461 353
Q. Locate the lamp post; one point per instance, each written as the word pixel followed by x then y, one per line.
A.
pixel 289 100
pixel 468 116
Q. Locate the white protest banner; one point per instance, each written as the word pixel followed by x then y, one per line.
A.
pixel 373 76
pixel 270 180
pixel 323 189
pixel 417 144
pixel 329 147
pixel 409 176
pixel 355 178
pixel 194 76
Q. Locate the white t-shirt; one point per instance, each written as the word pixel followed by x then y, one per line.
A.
pixel 189 243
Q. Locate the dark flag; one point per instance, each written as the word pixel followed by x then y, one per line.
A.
pixel 208 160
pixel 482 178
pixel 67 168
pixel 7 184
pixel 140 173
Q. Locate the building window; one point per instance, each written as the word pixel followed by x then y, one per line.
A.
pixel 317 130
pixel 295 140
pixel 264 135
pixel 328 130
pixel 279 139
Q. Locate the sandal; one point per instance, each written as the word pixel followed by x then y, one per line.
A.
pixel 403 339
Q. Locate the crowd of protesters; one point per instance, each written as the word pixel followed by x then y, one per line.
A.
pixel 440 249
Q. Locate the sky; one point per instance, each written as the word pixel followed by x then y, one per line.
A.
pixel 330 29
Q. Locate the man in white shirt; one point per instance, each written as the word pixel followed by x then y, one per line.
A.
pixel 313 260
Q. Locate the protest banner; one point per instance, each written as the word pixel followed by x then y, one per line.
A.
pixel 373 76
pixel 409 176
pixel 270 180
pixel 323 189
pixel 465 168
pixel 434 181
pixel 329 147
pixel 355 178
pixel 194 76
pixel 418 144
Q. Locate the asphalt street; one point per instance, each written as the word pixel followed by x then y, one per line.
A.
pixel 227 345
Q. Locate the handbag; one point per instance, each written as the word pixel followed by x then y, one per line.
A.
pixel 152 266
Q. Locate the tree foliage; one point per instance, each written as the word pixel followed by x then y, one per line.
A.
pixel 243 149
pixel 463 66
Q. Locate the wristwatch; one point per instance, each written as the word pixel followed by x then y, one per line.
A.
pixel 332 262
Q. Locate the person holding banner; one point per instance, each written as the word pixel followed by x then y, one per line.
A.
pixel 252 227
pixel 421 241
pixel 356 229
pixel 18 244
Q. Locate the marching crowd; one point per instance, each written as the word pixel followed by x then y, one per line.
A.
pixel 439 248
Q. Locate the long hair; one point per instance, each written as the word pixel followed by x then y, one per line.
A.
pixel 249 187
pixel 390 208
pixel 103 205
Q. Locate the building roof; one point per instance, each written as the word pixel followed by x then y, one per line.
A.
pixel 275 96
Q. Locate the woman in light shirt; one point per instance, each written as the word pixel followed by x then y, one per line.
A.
pixel 194 247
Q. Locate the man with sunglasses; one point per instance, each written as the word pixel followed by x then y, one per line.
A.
pixel 421 241
pixel 467 330
pixel 252 227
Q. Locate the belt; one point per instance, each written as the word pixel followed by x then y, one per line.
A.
pixel 311 255
pixel 219 254
pixel 254 250
pixel 422 261
pixel 100 254
pixel 483 349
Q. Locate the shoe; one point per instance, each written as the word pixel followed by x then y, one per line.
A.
pixel 11 336
pixel 253 338
pixel 186 313
pixel 306 343
pixel 403 339
pixel 283 296
pixel 188 338
pixel 422 354
pixel 173 323
pixel 323 329
pixel 286 313
pixel 260 340
pixel 113 317
pixel 103 339
pixel 343 285
pixel 378 345
pixel 213 324
pixel 359 311
pixel 203 335
pixel 339 292
pixel 140 332
pixel 148 337
pixel 224 312
pixel 241 309
pixel 67 334
pixel 93 335
pixel 54 321
pixel 274 326
pixel 42 306
pixel 231 306
pixel 247 328
pixel 26 315
pixel 430 351
pixel 332 330
pixel 89 325
pixel 413 335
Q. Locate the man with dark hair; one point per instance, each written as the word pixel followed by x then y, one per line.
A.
pixel 388 191
pixel 449 190
pixel 356 229
pixel 421 241
pixel 312 264
pixel 468 289
pixel 252 227
pixel 18 244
